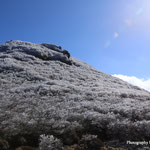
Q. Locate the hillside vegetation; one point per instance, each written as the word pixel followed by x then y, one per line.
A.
pixel 47 97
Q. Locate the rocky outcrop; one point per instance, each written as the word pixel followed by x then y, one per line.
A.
pixel 20 50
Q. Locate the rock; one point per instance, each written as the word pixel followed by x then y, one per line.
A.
pixel 65 52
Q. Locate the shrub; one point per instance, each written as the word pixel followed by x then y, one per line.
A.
pixel 16 141
pixel 123 95
pixel 90 142
pixel 72 134
pixel 49 142
pixel 3 144
pixel 24 139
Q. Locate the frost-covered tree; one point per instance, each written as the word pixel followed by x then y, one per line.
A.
pixel 49 142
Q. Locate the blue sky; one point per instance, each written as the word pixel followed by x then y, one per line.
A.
pixel 111 35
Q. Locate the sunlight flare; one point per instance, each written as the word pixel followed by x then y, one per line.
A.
pixel 116 35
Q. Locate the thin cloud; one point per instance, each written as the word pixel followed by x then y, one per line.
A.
pixel 145 84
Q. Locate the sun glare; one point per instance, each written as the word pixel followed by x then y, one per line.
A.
pixel 135 18
pixel 138 16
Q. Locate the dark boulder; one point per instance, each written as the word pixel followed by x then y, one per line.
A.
pixel 65 52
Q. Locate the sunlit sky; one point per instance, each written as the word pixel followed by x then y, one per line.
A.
pixel 111 35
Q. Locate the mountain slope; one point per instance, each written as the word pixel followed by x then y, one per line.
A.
pixel 42 91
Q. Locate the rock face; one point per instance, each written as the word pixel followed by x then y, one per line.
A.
pixel 43 91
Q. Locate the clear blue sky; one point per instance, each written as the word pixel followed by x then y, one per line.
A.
pixel 111 35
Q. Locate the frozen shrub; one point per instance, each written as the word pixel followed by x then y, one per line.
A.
pixel 88 137
pixel 90 142
pixel 119 130
pixel 72 134
pixel 97 128
pixel 49 142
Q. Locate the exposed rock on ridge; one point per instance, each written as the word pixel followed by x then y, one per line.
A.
pixel 41 51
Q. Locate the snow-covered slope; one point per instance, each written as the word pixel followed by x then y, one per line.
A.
pixel 42 91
